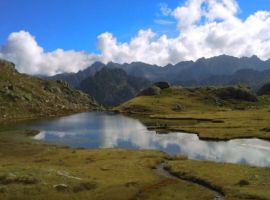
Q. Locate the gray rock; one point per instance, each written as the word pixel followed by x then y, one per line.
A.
pixel 61 187
pixel 235 93
pixel 162 85
pixel 177 108
pixel 151 91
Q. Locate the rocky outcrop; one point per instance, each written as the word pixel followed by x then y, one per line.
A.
pixel 237 93
pixel 151 91
pixel 24 96
pixel 162 85
pixel 264 90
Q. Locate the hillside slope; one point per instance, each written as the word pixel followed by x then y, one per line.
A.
pixel 24 96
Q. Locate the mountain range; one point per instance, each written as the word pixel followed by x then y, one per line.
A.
pixel 220 70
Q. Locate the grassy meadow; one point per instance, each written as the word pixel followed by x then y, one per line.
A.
pixel 200 111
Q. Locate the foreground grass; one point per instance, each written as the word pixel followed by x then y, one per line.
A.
pixel 32 170
pixel 235 181
pixel 200 112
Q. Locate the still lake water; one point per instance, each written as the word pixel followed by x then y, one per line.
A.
pixel 106 130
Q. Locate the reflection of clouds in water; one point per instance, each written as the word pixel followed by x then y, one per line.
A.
pixel 120 131
pixel 251 151
pixel 43 134
pixel 116 130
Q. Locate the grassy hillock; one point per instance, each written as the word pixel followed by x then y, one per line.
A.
pixel 214 113
pixel 23 96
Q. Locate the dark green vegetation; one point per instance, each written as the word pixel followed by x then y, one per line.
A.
pixel 214 113
pixel 112 86
pixel 23 96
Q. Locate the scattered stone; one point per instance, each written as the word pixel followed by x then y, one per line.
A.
pixel 27 180
pixel 84 186
pixel 265 129
pixel 131 184
pixel 61 187
pixel 136 108
pixel 3 189
pixel 177 108
pixel 243 182
pixel 104 169
pixel 7 179
pixel 12 178
pixel 65 174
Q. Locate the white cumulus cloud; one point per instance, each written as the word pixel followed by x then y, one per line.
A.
pixel 22 48
pixel 205 28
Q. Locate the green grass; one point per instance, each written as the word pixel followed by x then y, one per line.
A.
pixel 86 174
pixel 201 113
pixel 236 181
pixel 31 170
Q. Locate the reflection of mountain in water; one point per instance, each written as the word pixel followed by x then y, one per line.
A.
pixel 94 130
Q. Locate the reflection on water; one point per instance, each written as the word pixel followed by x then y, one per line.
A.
pixel 104 130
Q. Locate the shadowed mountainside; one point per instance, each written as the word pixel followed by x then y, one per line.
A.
pixel 112 86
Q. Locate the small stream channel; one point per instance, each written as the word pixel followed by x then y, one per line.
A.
pixel 161 170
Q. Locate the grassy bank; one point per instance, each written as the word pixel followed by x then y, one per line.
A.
pixel 235 181
pixel 200 111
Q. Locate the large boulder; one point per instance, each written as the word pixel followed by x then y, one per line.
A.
pixel 162 85
pixel 264 90
pixel 151 91
pixel 237 93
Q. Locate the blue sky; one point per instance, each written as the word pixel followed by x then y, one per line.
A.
pixel 75 24
pixel 55 36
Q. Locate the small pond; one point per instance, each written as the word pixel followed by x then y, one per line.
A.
pixel 107 130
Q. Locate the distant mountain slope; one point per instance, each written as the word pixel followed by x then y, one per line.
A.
pixel 112 86
pixel 188 73
pixel 24 96
pixel 74 79
pixel 249 77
